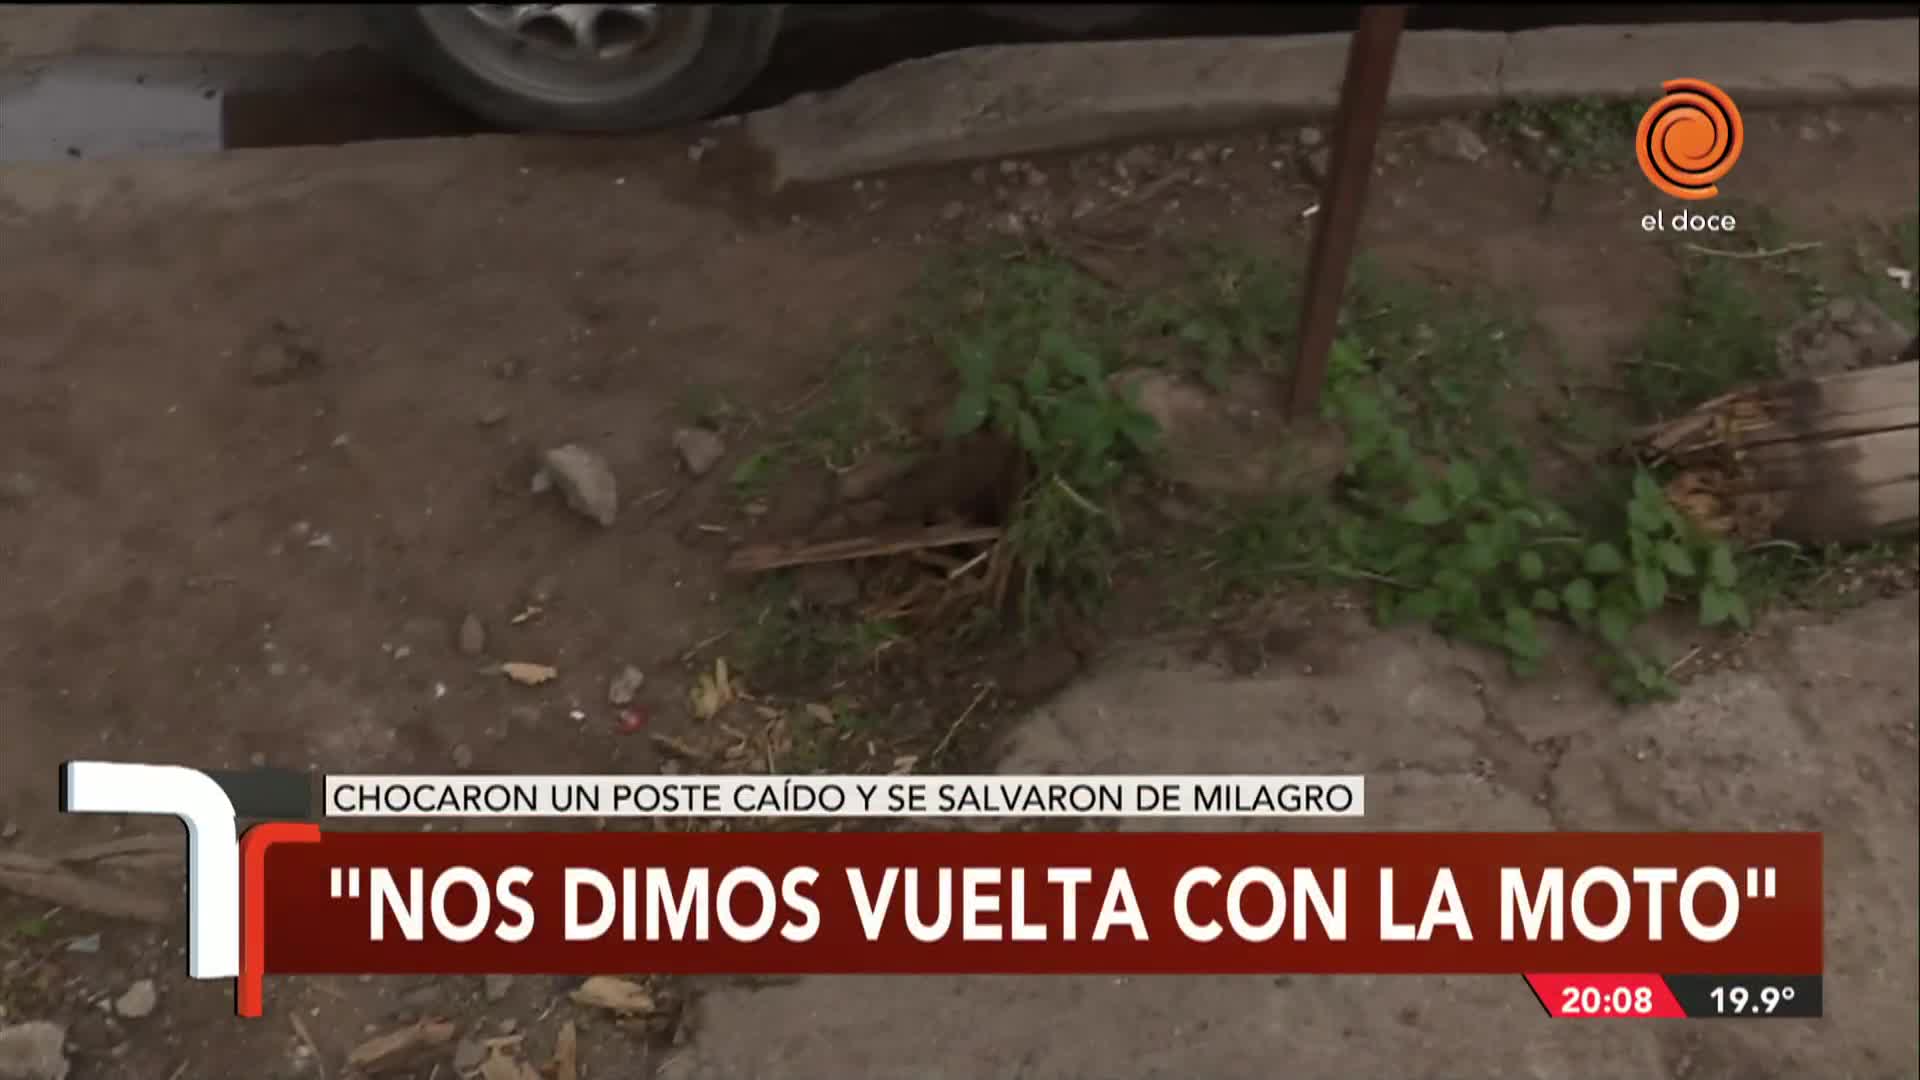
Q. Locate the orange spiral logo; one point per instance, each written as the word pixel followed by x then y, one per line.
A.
pixel 1690 139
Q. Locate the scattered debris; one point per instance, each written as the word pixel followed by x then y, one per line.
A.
pixel 463 757
pixel 566 1053
pixel 497 986
pixel 139 1000
pixel 282 353
pixel 625 685
pixel 35 1050
pixel 1309 138
pixel 1456 141
pixel 620 996
pixel 585 481
pixel 1901 277
pixel 529 674
pixel 468 1056
pixel 401 1048
pixel 712 692
pixel 308 1043
pixel 700 449
pixel 633 720
pixel 473 636
pixel 86 944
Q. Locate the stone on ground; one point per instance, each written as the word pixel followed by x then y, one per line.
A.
pixel 585 481
pixel 35 1050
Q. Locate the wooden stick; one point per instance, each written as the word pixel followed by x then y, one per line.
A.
pixel 763 557
pixel 41 881
pixel 1764 253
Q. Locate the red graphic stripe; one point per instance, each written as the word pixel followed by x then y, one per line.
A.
pixel 249 987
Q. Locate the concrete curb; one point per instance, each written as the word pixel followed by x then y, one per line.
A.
pixel 1001 101
pixel 33 34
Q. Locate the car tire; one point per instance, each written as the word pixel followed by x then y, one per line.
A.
pixel 520 84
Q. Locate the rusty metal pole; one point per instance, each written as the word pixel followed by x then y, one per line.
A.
pixel 1363 104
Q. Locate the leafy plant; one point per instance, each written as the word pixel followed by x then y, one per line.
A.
pixel 1714 336
pixel 1469 546
pixel 1039 382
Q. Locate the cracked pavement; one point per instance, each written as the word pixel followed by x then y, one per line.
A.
pixel 1811 726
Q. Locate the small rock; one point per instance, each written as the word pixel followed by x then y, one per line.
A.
pixel 1309 138
pixel 463 757
pixel 88 945
pixel 10 830
pixel 1456 141
pixel 953 211
pixel 1320 164
pixel 492 417
pixel 585 482
pixel 35 1050
pixel 467 1056
pixel 497 987
pixel 472 639
pixel 139 1000
pixel 508 1026
pixel 625 684
pixel 541 483
pixel 282 353
pixel 700 449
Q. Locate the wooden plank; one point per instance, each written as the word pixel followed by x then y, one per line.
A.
pixel 763 557
pixel 1850 403
pixel 1827 460
pixel 1864 461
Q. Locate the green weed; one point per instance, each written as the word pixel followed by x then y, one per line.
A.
pixel 1714 336
pixel 1585 134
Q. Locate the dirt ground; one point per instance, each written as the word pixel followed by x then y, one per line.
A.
pixel 269 421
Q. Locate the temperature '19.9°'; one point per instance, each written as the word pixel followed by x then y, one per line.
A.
pixel 1748 996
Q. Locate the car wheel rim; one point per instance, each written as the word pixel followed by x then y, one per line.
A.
pixel 571 54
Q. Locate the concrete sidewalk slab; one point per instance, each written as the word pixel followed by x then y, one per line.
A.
pixel 1816 733
pixel 1001 101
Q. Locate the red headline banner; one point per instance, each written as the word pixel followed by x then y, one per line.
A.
pixel 1134 903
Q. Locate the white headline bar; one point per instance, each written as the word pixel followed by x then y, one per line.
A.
pixel 847 796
